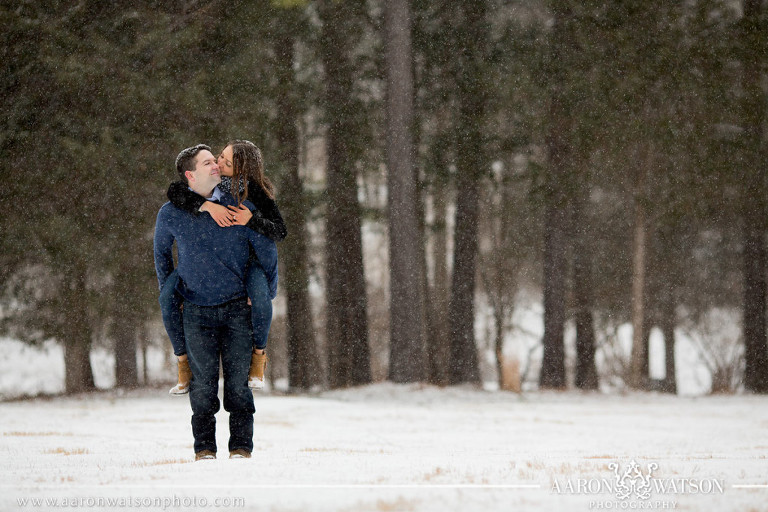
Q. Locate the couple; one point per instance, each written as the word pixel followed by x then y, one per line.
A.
pixel 225 230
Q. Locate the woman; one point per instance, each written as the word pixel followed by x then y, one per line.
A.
pixel 241 166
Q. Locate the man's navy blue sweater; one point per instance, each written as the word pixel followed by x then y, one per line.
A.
pixel 212 259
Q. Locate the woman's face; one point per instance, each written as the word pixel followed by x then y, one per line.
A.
pixel 225 161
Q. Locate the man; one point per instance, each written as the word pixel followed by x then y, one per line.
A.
pixel 217 318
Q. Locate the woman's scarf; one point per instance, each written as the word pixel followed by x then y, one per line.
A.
pixel 226 184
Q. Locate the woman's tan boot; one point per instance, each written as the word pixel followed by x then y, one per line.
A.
pixel 256 374
pixel 185 376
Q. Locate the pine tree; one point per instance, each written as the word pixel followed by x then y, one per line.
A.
pixel 303 363
pixel 346 302
pixel 559 149
pixel 754 56
pixel 407 361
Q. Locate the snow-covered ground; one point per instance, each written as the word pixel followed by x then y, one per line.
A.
pixel 389 448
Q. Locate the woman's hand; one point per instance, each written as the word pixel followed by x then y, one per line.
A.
pixel 220 214
pixel 242 214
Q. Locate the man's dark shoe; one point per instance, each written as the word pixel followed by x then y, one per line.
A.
pixel 240 454
pixel 205 455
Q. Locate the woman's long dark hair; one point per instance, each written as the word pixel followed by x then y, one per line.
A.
pixel 247 163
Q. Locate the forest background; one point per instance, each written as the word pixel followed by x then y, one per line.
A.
pixel 441 166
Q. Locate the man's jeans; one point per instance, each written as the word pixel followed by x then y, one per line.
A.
pixel 212 332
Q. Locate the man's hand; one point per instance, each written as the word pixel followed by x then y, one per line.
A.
pixel 242 214
pixel 220 214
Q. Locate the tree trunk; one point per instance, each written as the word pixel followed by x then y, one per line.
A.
pixel 555 275
pixel 144 362
pixel 637 376
pixel 423 236
pixel 668 328
pixel 471 163
pixel 125 330
pixel 756 352
pixel 422 245
pixel 303 364
pixel 753 205
pixel 461 310
pixel 586 371
pixel 77 362
pixel 498 344
pixel 438 339
pixel 647 326
pixel 346 325
pixel 638 363
pixel 552 374
pixel 407 361
pixel 77 338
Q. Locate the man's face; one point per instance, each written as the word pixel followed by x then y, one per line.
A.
pixel 206 174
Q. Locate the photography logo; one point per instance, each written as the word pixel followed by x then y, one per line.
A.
pixel 632 482
pixel 636 487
